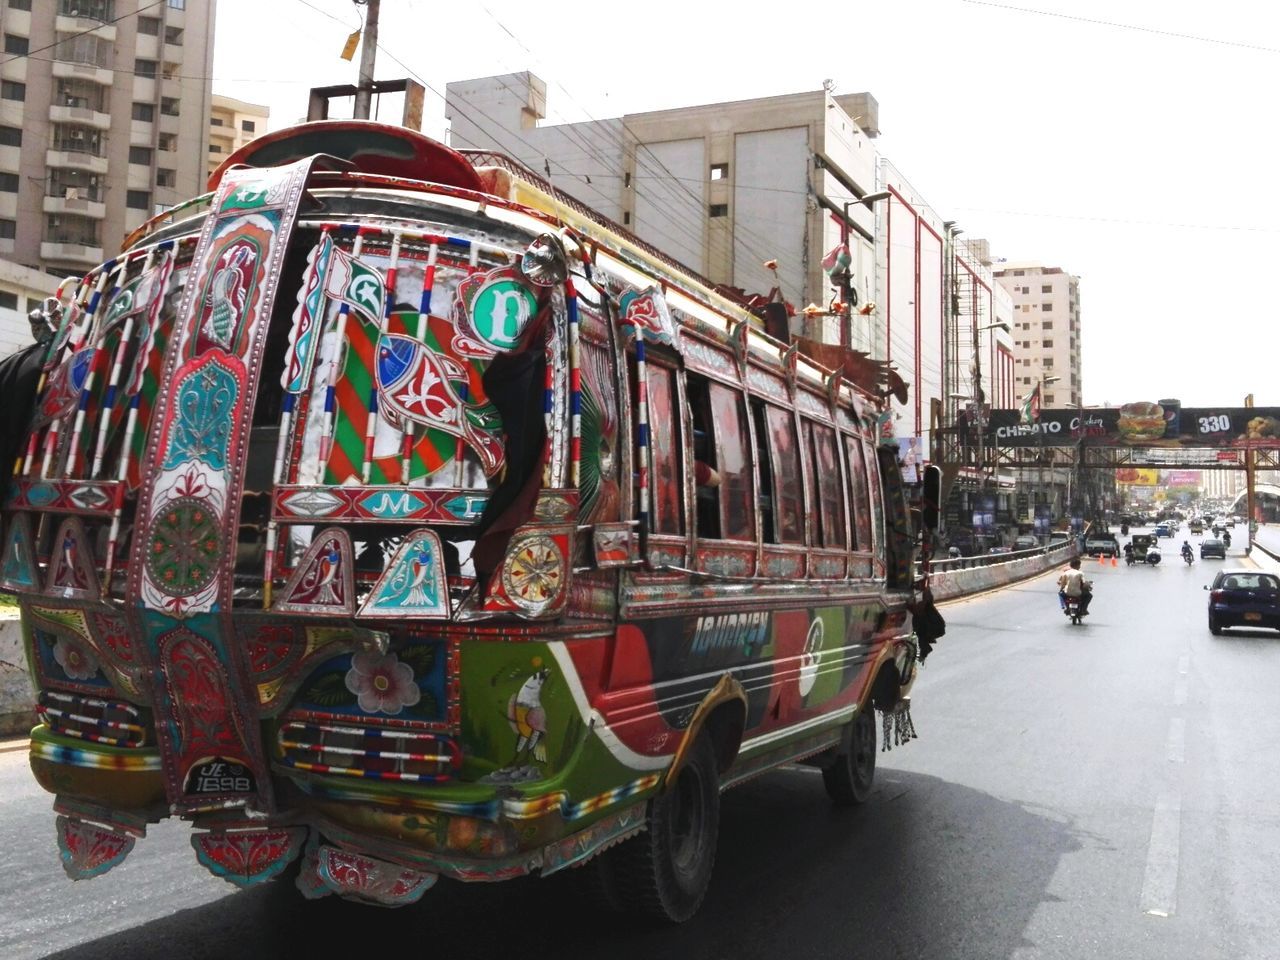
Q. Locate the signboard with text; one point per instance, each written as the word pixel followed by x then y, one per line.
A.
pixel 1140 425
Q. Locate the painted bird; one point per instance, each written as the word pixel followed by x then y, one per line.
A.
pixel 527 719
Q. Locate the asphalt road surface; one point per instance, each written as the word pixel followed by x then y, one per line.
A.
pixel 1107 790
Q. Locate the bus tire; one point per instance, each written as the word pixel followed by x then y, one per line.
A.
pixel 664 873
pixel 849 779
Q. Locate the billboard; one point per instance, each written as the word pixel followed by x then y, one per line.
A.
pixel 1142 424
pixel 1182 478
pixel 1137 477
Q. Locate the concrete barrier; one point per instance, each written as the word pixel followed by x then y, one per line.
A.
pixel 17 701
pixel 950 584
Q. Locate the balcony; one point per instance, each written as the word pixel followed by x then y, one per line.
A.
pixel 71 158
pixel 64 23
pixel 77 253
pixel 71 70
pixel 82 206
pixel 84 114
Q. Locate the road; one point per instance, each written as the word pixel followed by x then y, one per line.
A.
pixel 1106 790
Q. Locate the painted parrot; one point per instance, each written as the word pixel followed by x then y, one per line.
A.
pixel 527 719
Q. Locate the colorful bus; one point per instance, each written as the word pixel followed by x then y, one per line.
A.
pixel 387 514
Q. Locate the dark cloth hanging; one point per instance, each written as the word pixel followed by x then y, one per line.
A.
pixel 19 376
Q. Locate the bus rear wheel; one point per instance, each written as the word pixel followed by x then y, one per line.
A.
pixel 664 873
pixel 849 779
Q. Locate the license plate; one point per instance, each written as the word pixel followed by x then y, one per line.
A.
pixel 1253 616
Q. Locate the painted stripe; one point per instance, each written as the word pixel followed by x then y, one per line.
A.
pixel 1160 880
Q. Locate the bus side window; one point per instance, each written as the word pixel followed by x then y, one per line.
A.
pixel 788 492
pixel 706 497
pixel 664 438
pixel 764 471
pixel 733 444
pixel 829 528
pixel 859 501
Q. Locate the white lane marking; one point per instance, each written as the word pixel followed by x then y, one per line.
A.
pixel 1160 882
pixel 1180 692
pixel 1177 744
pixel 1184 663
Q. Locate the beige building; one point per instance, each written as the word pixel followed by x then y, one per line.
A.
pixel 1046 331
pixel 232 124
pixel 21 290
pixel 103 121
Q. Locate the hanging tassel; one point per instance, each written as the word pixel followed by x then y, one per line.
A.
pixel 897 729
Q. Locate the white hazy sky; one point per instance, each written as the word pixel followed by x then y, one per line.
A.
pixel 1131 143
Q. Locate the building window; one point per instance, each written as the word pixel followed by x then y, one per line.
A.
pixel 217 148
pixel 248 126
pixel 1048 399
pixel 149 26
pixel 1019 273
pixel 1048 344
pixel 169 106
pixel 166 178
pixel 19 4
pixel 8 228
pixel 16 44
pixel 141 155
pixel 168 142
pixel 1048 363
pixel 173 35
pixel 10 136
pixel 8 301
pixel 144 68
pixel 1046 288
pixel 216 122
pixel 1026 380
pixel 8 183
pixel 626 218
pixel 719 171
pixel 9 90
pixel 177 4
pixel 144 111
pixel 1047 325
pixel 138 199
pixel 719 210
pixel 1046 306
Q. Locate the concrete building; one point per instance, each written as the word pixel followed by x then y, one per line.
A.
pixel 1046 330
pixel 232 124
pixel 106 125
pixel 726 187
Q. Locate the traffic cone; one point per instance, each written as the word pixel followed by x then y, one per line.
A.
pixel 1113 560
pixel 1101 560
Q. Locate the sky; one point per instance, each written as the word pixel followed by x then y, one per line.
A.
pixel 1130 143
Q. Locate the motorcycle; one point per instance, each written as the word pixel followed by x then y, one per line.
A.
pixel 1226 539
pixel 1152 557
pixel 1071 608
pixel 1188 556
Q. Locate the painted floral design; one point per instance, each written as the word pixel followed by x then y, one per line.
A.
pixel 76 662
pixel 382 683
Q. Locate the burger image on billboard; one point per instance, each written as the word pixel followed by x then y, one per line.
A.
pixel 1141 421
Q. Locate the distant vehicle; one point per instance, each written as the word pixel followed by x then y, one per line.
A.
pixel 1101 545
pixel 1213 547
pixel 1000 549
pixel 1229 521
pixel 1244 598
pixel 1026 542
pixel 1164 530
pixel 1196 526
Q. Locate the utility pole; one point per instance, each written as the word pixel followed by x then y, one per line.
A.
pixel 1248 480
pixel 368 52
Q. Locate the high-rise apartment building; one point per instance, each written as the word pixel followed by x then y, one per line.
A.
pixel 232 124
pixel 1046 331
pixel 104 108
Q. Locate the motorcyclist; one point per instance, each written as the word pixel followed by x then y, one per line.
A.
pixel 1226 538
pixel 1073 583
pixel 1186 550
pixel 1128 552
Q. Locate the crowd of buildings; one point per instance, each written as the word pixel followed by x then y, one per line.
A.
pixel 754 195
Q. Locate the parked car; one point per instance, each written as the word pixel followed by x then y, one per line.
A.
pixel 1101 545
pixel 1213 547
pixel 1244 598
pixel 1026 542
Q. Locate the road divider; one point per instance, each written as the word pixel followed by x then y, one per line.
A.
pixel 951 579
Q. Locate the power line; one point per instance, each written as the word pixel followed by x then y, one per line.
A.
pixel 1126 26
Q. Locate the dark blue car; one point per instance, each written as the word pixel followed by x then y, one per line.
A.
pixel 1244 598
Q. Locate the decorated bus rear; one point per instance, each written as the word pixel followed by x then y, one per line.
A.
pixel 359 524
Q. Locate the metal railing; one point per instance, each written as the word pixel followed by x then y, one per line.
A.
pixel 1063 548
